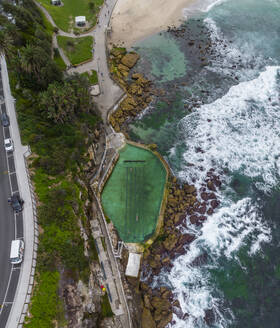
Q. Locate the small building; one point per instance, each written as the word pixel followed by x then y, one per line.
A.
pixel 56 2
pixel 133 265
pixel 80 20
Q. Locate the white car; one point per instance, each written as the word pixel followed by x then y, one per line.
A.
pixel 17 250
pixel 9 145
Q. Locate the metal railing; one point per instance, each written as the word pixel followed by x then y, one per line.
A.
pixel 115 261
pixel 35 244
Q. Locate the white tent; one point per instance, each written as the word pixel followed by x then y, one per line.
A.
pixel 56 2
pixel 80 20
pixel 133 265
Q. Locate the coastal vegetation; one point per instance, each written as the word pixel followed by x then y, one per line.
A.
pixel 58 60
pixel 64 16
pixel 92 76
pixel 46 305
pixel 78 50
pixel 57 119
pixel 106 307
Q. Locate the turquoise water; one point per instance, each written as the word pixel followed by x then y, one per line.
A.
pixel 221 111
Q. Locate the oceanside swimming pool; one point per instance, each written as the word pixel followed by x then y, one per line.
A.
pixel 133 193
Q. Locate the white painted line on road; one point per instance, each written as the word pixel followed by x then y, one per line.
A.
pixel 18 268
pixel 8 167
pixel 15 225
pixel 11 189
pixel 7 290
pixel 9 281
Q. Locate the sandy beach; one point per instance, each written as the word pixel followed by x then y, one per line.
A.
pixel 133 20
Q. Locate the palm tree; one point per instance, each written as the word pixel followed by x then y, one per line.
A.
pixel 32 59
pixel 5 44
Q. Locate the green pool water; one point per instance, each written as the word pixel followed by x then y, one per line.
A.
pixel 132 195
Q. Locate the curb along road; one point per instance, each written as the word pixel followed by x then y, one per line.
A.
pixel 30 231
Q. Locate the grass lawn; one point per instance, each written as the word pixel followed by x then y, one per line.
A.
pixel 92 76
pixel 48 25
pixel 77 50
pixel 64 16
pixel 59 61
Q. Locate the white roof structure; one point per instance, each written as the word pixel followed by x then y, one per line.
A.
pixel 133 265
pixel 80 19
pixel 15 246
pixel 95 90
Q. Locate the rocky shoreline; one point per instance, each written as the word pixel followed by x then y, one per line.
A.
pixel 183 200
pixel 138 89
pixel 158 304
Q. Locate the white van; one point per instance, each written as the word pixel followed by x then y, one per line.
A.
pixel 17 249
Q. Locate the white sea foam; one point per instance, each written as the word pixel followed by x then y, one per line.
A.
pixel 221 235
pixel 201 6
pixel 229 55
pixel 240 132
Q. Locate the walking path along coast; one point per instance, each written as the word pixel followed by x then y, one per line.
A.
pixel 131 21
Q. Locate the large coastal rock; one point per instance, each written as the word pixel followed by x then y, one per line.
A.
pixel 138 91
pixel 130 59
pixel 165 319
pixel 147 319
pixel 170 242
pixel 160 303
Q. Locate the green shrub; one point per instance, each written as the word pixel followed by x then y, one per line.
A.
pixel 59 150
pixel 106 310
pixel 46 306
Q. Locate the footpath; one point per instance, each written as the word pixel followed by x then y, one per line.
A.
pixel 110 91
pixel 110 94
pixel 106 253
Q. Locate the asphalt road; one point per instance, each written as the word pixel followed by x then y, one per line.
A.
pixel 11 225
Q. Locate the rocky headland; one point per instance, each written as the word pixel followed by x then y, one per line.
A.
pixel 185 205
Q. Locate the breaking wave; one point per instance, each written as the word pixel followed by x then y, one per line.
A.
pixel 200 6
pixel 238 133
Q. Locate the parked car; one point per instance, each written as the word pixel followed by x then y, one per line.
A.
pixel 9 145
pixel 16 202
pixel 17 250
pixel 5 119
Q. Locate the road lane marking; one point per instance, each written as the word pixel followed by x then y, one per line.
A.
pixel 15 232
pixel 4 301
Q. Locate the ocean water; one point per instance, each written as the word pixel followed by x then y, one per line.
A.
pixel 221 110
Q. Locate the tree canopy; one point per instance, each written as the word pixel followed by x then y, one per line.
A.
pixel 64 101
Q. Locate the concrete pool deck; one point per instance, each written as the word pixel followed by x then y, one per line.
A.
pixel 134 194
